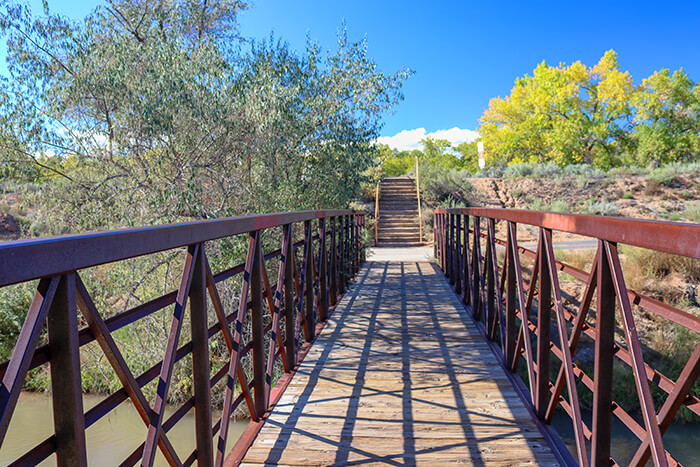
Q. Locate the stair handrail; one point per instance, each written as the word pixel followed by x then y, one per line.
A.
pixel 376 214
pixel 420 216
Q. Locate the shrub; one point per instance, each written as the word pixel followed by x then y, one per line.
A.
pixel 657 265
pixel 667 173
pixel 490 172
pixel 627 195
pixel 625 170
pixel 601 208
pixel 653 187
pixel 692 211
pixel 536 205
pixel 585 170
pixel 439 184
pixel 518 170
pixel 549 169
pixel 558 205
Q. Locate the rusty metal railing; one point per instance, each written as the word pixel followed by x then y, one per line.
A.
pixel 376 214
pixel 501 301
pixel 420 211
pixel 296 306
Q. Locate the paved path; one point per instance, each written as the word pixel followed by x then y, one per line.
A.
pixel 399 376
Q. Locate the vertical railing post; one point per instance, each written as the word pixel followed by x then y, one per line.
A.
pixel 309 282
pixel 490 289
pixel 355 241
pixel 289 291
pixel 332 268
pixel 322 272
pixel 603 366
pixel 544 308
pixel 66 387
pixel 436 235
pixel 455 249
pixel 200 361
pixel 458 254
pixel 476 274
pixel 341 253
pixel 443 241
pixel 450 247
pixel 258 327
pixel 466 296
pixel 453 256
pixel 510 295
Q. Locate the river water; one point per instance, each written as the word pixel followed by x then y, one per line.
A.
pixel 681 440
pixel 109 441
pixel 115 436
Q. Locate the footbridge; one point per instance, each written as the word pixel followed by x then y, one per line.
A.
pixel 465 352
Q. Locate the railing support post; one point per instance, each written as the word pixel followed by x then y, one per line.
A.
pixel 308 288
pixel 458 254
pixel 490 289
pixel 476 270
pixel 66 388
pixel 289 289
pixel 604 353
pixel 258 327
pixel 466 278
pixel 342 234
pixel 544 308
pixel 322 272
pixel 332 267
pixel 510 295
pixel 200 361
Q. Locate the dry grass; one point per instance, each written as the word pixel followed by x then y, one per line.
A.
pixel 580 259
pixel 656 264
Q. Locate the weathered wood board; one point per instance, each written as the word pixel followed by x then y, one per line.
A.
pixel 399 376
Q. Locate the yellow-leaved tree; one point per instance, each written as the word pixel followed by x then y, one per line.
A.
pixel 565 114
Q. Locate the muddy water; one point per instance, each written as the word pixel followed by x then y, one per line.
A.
pixel 109 441
pixel 681 440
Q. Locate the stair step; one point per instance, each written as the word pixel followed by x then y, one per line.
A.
pixel 400 230
pixel 399 222
pixel 397 245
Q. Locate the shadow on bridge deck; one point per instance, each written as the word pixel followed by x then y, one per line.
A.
pixel 400 376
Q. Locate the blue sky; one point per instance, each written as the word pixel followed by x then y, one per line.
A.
pixel 464 53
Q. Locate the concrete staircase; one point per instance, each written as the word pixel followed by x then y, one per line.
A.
pixel 398 213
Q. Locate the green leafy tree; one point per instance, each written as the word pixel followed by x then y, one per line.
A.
pixel 469 156
pixel 394 162
pixel 153 113
pixel 667 119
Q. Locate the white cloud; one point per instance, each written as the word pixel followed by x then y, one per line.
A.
pixel 410 139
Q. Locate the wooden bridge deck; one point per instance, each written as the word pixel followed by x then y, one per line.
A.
pixel 400 376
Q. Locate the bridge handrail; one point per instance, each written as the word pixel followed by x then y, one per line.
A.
pixel 496 293
pixel 306 290
pixel 34 258
pixel 670 237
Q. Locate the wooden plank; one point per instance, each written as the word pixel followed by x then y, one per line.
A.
pixel 399 376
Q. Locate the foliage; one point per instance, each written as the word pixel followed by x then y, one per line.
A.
pixel 692 211
pixel 146 113
pixel 435 153
pixel 558 205
pixel 573 114
pixel 439 184
pixel 666 174
pixel 395 163
pixel 668 118
pixel 601 208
